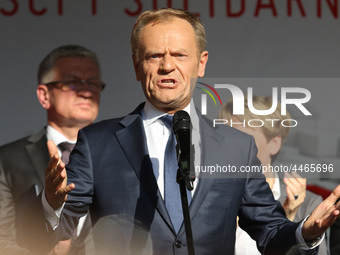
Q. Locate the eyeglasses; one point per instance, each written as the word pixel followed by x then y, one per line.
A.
pixel 95 86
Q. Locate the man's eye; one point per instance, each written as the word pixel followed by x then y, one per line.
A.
pixel 153 56
pixel 179 55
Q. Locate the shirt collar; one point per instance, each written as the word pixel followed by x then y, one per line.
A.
pixel 56 136
pixel 150 114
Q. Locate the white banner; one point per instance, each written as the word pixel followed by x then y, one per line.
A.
pixel 253 38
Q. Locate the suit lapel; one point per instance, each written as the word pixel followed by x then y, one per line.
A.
pixel 132 139
pixel 38 154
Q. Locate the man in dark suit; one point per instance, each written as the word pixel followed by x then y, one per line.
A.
pixel 118 168
pixel 69 89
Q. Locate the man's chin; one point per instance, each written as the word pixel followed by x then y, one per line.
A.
pixel 85 120
pixel 170 106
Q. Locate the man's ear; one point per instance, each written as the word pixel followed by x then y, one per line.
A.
pixel 136 67
pixel 202 63
pixel 275 145
pixel 43 96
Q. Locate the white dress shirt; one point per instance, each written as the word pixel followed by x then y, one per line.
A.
pixel 56 137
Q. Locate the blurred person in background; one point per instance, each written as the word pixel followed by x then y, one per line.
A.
pixel 69 79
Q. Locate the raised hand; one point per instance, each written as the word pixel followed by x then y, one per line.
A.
pixel 56 188
pixel 323 216
pixel 296 193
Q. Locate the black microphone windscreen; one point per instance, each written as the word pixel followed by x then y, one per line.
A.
pixel 181 120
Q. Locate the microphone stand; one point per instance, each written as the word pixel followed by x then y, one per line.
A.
pixel 185 181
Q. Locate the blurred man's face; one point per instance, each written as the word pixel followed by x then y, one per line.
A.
pixel 168 61
pixel 73 108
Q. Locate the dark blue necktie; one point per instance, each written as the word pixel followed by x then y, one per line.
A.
pixel 172 196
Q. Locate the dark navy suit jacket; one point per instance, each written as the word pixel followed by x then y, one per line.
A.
pixel 114 179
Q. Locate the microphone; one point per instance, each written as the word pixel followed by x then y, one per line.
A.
pixel 181 126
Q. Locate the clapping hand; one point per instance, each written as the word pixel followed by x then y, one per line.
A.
pixel 296 193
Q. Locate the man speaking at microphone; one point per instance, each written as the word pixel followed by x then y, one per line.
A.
pixel 125 167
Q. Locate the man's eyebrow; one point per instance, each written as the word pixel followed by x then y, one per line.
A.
pixel 179 50
pixel 150 52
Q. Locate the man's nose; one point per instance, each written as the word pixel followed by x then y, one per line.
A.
pixel 167 63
